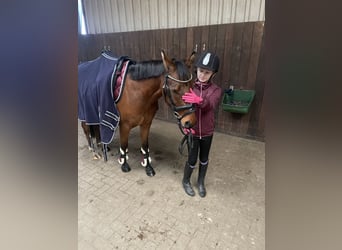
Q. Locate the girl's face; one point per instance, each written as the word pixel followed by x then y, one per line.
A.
pixel 204 75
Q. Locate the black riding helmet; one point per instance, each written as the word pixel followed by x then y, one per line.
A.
pixel 208 60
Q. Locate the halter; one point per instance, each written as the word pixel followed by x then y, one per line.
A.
pixel 188 139
pixel 167 93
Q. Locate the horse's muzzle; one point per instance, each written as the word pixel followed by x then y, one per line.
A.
pixel 189 120
pixel 188 124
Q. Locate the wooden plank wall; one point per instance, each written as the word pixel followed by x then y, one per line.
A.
pixel 240 47
pixel 111 16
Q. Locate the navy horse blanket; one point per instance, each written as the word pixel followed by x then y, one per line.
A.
pixel 96 105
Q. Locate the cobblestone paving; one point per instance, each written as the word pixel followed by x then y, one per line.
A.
pixel 119 210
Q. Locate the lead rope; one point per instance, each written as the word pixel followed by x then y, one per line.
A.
pixel 186 140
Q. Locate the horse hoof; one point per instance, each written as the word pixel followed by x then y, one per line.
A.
pixel 150 171
pixel 125 168
pixel 97 156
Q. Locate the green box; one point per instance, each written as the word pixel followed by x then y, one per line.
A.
pixel 238 102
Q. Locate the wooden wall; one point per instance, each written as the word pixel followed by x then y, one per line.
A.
pixel 111 16
pixel 240 47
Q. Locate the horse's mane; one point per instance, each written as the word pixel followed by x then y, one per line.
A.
pixel 154 68
pixel 146 69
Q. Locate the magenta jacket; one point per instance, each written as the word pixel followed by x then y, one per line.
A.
pixel 205 112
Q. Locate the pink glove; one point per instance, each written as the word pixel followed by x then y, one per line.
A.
pixel 188 131
pixel 191 97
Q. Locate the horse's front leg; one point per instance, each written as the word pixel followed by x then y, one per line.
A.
pixel 146 162
pixel 124 133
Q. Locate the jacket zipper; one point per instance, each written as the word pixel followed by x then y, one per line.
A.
pixel 200 116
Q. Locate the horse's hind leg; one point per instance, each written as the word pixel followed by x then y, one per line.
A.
pixel 100 146
pixel 95 133
pixel 86 130
pixel 124 132
pixel 146 162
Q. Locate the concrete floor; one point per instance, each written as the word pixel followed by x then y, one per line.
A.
pixel 119 210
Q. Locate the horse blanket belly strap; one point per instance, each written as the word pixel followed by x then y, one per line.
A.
pixel 95 95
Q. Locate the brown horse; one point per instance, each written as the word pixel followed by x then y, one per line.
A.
pixel 144 84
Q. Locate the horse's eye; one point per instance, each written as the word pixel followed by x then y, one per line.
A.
pixel 176 88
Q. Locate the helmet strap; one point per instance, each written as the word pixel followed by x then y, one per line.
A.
pixel 212 76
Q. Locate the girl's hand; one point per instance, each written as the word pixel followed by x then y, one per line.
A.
pixel 188 131
pixel 191 97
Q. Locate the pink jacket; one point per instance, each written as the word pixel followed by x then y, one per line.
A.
pixel 205 112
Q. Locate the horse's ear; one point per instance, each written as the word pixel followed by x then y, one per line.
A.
pixel 189 61
pixel 168 64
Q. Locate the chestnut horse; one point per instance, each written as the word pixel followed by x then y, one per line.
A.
pixel 143 85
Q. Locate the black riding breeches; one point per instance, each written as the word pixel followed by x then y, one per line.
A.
pixel 200 147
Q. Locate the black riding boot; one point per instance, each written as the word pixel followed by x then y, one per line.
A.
pixel 186 180
pixel 201 176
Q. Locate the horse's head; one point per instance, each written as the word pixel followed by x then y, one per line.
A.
pixel 178 80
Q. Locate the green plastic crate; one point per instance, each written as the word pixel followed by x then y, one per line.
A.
pixel 238 102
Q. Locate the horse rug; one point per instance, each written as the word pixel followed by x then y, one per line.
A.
pixel 96 105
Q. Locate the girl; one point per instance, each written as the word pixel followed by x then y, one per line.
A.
pixel 206 96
